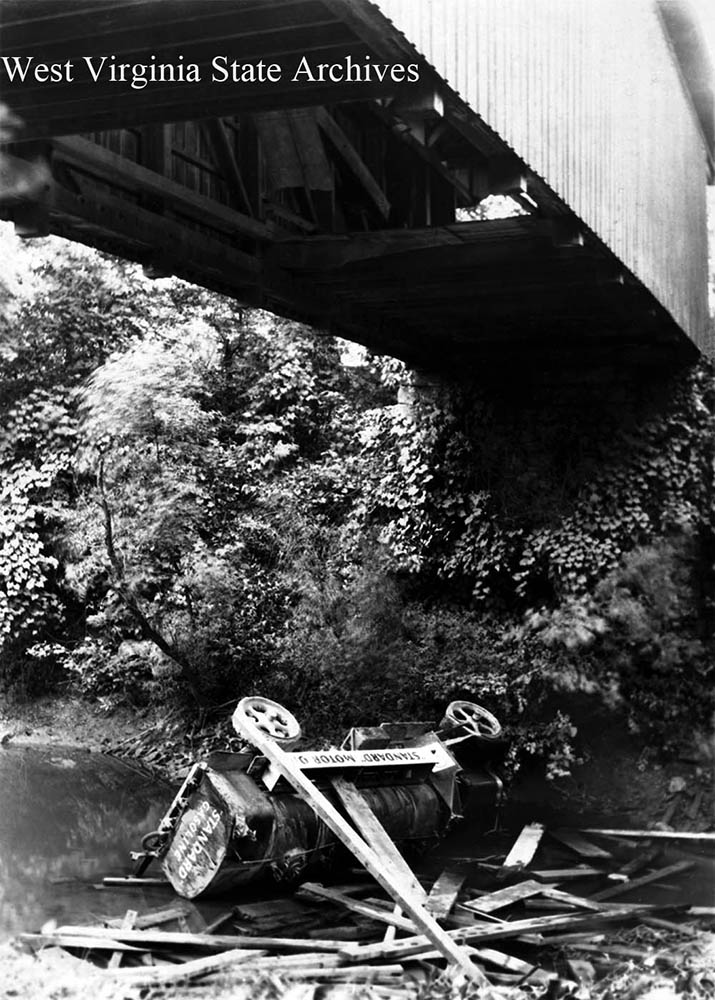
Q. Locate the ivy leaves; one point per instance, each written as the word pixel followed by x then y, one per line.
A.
pixel 516 503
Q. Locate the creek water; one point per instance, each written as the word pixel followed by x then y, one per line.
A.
pixel 68 818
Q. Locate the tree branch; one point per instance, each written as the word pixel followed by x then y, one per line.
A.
pixel 124 591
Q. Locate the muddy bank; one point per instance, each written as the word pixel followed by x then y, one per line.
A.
pixel 71 722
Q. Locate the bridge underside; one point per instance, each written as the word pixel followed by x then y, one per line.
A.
pixel 346 206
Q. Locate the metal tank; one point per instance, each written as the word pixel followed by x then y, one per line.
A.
pixel 233 822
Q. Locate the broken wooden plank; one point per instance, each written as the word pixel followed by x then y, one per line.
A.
pixel 154 918
pixel 503 961
pixel 362 850
pixel 86 941
pixel 314 959
pixel 214 942
pixel 653 834
pixel 636 883
pixel 127 881
pixel 623 951
pixel 578 844
pixel 151 975
pixel 371 828
pixel 670 925
pixel 443 894
pixel 523 849
pixel 354 972
pixel 391 931
pixel 127 923
pixel 557 895
pixel 542 905
pixel 504 897
pixel 358 906
pixel 360 930
pixel 219 921
pixel 577 937
pixel 565 874
pixel 488 932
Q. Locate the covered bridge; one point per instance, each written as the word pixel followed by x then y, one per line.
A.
pixel 329 160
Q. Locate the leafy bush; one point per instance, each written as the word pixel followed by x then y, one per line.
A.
pixel 356 653
pixel 641 642
pixel 202 500
pixel 523 499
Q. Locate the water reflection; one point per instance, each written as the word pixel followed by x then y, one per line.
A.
pixel 67 818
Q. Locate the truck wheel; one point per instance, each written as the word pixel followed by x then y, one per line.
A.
pixel 270 717
pixel 471 718
pixel 153 841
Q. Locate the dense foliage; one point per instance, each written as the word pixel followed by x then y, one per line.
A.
pixel 200 501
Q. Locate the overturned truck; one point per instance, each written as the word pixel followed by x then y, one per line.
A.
pixel 236 819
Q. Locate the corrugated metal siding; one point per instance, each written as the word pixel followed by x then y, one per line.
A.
pixel 588 93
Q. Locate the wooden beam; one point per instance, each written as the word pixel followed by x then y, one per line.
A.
pixel 359 906
pixel 653 834
pixel 617 890
pixel 127 174
pixel 85 941
pixel 155 231
pixel 503 239
pixel 353 161
pixel 489 932
pixel 505 897
pixel 156 148
pixel 193 968
pixel 444 892
pixel 150 939
pixel 250 162
pixel 119 227
pixel 523 850
pixel 372 829
pixel 578 844
pixel 127 923
pixel 216 134
pixel 364 853
pixel 423 150
pixel 421 101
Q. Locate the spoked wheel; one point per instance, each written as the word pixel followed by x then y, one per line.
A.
pixel 154 841
pixel 472 719
pixel 270 718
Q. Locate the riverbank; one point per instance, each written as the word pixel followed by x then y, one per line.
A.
pixel 616 777
pixel 73 722
pixel 615 782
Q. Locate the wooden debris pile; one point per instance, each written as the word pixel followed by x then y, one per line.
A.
pixel 548 919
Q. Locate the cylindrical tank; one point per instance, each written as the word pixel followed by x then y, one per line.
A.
pixel 231 831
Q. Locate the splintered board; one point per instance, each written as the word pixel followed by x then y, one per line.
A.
pixel 444 892
pixel 579 845
pixel 505 897
pixel 523 850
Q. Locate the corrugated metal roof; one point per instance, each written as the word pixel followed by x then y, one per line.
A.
pixel 590 95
